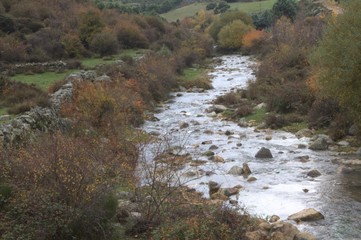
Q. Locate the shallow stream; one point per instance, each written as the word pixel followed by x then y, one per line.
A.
pixel 280 180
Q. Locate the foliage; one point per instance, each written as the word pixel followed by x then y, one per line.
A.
pixel 205 222
pixel 221 7
pixel 107 106
pixel 231 35
pixel 281 8
pixel 90 24
pixel 287 8
pixel 226 19
pixel 252 40
pixel 60 187
pixel 104 43
pixel 7 24
pixel 336 61
pixel 12 50
pixel 263 19
pixel 18 97
pixel 130 36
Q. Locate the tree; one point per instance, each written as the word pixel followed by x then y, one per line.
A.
pixel 286 8
pixel 337 60
pixel 104 43
pixel 231 36
pixel 91 24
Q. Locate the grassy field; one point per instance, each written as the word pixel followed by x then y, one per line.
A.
pixel 44 80
pixel 41 80
pixel 90 63
pixel 191 10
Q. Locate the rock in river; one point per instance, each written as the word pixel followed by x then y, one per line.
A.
pixel 314 173
pixel 236 170
pixel 308 214
pixel 264 153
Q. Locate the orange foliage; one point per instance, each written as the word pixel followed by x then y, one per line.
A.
pixel 250 38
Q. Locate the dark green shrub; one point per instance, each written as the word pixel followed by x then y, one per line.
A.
pixel 211 6
pixel 5 194
pixel 7 24
pixel 322 112
pixel 28 25
pixel 104 44
pixel 48 40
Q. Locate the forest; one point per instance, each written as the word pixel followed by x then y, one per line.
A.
pixel 70 181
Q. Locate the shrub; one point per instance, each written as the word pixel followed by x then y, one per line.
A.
pixel 322 112
pixel 73 46
pixel 12 50
pixel 90 24
pixel 48 40
pixel 62 186
pixel 130 36
pixel 242 111
pixel 289 97
pixel 28 25
pixel 231 35
pixel 104 43
pixel 19 97
pixel 340 125
pixel 7 24
pixel 275 121
pixel 227 18
pixel 228 99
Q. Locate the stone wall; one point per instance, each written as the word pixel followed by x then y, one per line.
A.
pixel 25 126
pixel 56 66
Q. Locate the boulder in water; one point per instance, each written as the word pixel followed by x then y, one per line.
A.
pixel 236 170
pixel 314 173
pixel 309 214
pixel 264 153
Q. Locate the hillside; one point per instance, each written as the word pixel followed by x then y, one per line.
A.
pixel 192 9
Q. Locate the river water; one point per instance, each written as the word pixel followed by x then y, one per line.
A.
pixel 280 180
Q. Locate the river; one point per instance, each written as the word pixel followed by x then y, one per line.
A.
pixel 280 180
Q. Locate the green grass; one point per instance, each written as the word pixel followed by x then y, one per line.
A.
pixel 258 116
pixel 295 127
pixel 195 77
pixel 186 11
pixel 44 80
pixel 192 9
pixel 3 111
pixel 192 73
pixel 253 7
pixel 91 63
pixel 41 80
